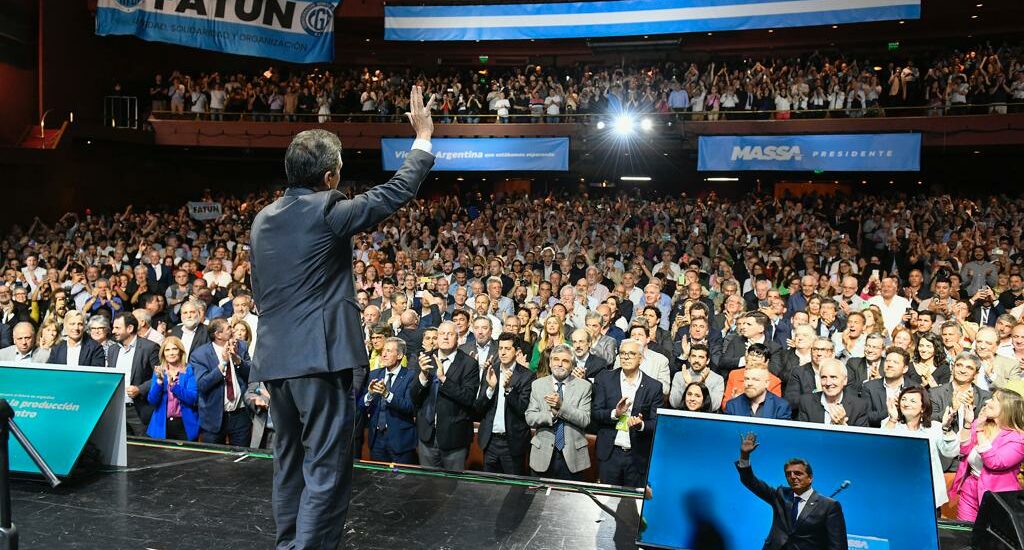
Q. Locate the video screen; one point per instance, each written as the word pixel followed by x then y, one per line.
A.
pixel 697 499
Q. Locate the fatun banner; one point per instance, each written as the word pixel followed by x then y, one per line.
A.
pixel 485 154
pixel 629 17
pixel 830 153
pixel 297 31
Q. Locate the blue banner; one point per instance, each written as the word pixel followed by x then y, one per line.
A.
pixel 485 154
pixel 629 17
pixel 57 410
pixel 831 153
pixel 298 31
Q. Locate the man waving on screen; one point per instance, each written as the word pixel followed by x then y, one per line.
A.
pixel 802 519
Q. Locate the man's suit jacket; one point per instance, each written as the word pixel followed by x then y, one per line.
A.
pixel 312 298
pixel 737 348
pixel 993 314
pixel 782 331
pixel 773 407
pixel 605 347
pixel 19 314
pixel 413 338
pixel 873 391
pixel 210 382
pixel 607 393
pixel 399 415
pixel 790 364
pixel 942 397
pixel 811 409
pixel 259 416
pixel 662 343
pixel 454 406
pixel 594 366
pixel 161 283
pixel 713 341
pixel 202 336
pixel 858 367
pixel 577 398
pixel 1002 370
pixel 820 526
pixel 491 357
pixel 802 382
pixel 91 355
pixel 147 356
pixel 516 401
pixel 6 335
pixel 39 355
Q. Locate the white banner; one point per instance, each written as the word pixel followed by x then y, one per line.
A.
pixel 204 211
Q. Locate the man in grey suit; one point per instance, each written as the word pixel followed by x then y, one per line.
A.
pixel 559 411
pixel 302 282
pixel 24 349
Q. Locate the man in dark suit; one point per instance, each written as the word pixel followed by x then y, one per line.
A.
pixel 869 367
pixel 697 333
pixel 806 379
pixel 802 519
pixel 392 427
pixel 11 312
pixel 627 397
pixel 309 231
pixel 834 405
pixel 880 391
pixel 586 364
pixel 752 327
pixel 984 312
pixel 222 375
pixel 136 356
pixel 192 332
pixel 504 435
pixel 444 395
pixel 81 349
pixel 479 346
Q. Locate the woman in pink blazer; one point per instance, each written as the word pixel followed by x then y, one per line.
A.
pixel 991 451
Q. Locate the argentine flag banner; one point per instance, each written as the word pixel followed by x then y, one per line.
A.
pixel 297 31
pixel 629 17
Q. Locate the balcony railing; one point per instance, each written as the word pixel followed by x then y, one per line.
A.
pixel 606 117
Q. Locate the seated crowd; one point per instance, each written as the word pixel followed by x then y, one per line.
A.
pixel 549 320
pixel 985 79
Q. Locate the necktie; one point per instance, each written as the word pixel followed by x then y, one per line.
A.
pixel 796 509
pixel 382 423
pixel 229 381
pixel 559 425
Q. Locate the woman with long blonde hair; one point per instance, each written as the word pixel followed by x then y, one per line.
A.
pixel 174 393
pixel 551 336
pixel 991 449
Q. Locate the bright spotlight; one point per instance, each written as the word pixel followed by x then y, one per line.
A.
pixel 624 125
pixel 600 125
pixel 646 125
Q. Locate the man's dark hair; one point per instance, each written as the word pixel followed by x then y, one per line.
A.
pixel 760 318
pixel 129 320
pixel 310 155
pixel 701 347
pixel 902 353
pixel 148 298
pixel 760 350
pixel 657 312
pixel 926 313
pixel 509 337
pixel 460 313
pixel 801 462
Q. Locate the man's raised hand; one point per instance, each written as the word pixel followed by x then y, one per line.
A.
pixel 419 114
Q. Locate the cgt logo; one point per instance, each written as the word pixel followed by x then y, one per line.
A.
pixel 772 152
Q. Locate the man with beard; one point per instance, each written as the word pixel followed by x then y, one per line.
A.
pixel 504 435
pixel 192 331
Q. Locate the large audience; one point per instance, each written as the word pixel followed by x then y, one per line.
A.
pixel 583 315
pixel 983 79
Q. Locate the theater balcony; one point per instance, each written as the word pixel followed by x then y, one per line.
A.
pixel 359 132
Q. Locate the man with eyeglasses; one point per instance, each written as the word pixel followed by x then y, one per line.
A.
pixel 834 405
pixel 807 379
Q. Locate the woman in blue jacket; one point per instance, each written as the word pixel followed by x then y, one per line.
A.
pixel 176 415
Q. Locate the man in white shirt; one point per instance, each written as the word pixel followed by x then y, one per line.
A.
pixel 146 329
pixel 215 276
pixel 34 274
pixel 652 363
pixel 895 309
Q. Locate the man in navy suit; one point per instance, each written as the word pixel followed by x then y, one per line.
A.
pixel 137 357
pixel 222 375
pixel 624 411
pixel 309 332
pixel 802 519
pixel 756 400
pixel 77 348
pixel 392 426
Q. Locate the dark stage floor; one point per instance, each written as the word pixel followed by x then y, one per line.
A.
pixel 185 499
pixel 177 498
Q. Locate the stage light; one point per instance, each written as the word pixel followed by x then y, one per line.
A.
pixel 624 125
pixel 600 125
pixel 635 178
pixel 721 179
pixel 646 125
